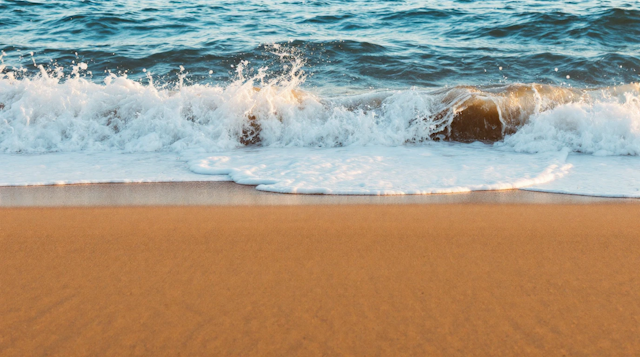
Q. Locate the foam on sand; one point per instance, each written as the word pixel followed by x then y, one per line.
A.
pixel 95 167
pixel 442 168
pixel 617 176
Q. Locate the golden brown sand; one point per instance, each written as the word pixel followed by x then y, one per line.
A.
pixel 450 280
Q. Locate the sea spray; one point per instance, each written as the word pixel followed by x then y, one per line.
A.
pixel 602 126
pixel 51 112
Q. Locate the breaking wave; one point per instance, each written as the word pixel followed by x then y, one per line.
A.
pixel 54 111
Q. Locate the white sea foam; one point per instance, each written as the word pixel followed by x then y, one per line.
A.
pixel 52 112
pixel 374 143
pixel 617 176
pixel 427 169
pixel 600 127
pixel 48 114
pixel 96 167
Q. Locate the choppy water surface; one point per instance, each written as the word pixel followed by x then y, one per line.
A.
pixel 346 44
pixel 544 78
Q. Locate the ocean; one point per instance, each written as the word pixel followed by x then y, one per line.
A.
pixel 374 97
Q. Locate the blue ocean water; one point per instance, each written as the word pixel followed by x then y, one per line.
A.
pixel 372 44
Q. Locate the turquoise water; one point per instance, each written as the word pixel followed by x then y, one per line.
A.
pixel 346 45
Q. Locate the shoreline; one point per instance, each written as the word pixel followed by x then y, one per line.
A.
pixel 224 193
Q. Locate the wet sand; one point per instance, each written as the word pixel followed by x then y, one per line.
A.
pixel 447 279
pixel 229 193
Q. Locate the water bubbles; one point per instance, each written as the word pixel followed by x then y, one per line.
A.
pixel 181 68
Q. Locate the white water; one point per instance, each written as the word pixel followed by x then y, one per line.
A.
pixel 52 113
pixel 602 128
pixel 57 130
pixel 440 168
pixel 97 167
pixel 434 168
pixel 617 176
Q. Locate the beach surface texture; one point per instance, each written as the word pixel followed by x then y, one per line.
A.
pixel 448 280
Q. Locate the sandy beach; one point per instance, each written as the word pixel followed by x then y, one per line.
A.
pixel 433 279
pixel 319 178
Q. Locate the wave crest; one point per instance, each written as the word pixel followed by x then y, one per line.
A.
pixel 49 112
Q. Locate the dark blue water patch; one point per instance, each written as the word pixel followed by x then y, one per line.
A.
pixel 422 15
pixel 327 19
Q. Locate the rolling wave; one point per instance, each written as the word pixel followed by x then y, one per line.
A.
pixel 57 112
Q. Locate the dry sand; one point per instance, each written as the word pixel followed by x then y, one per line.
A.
pixel 455 279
